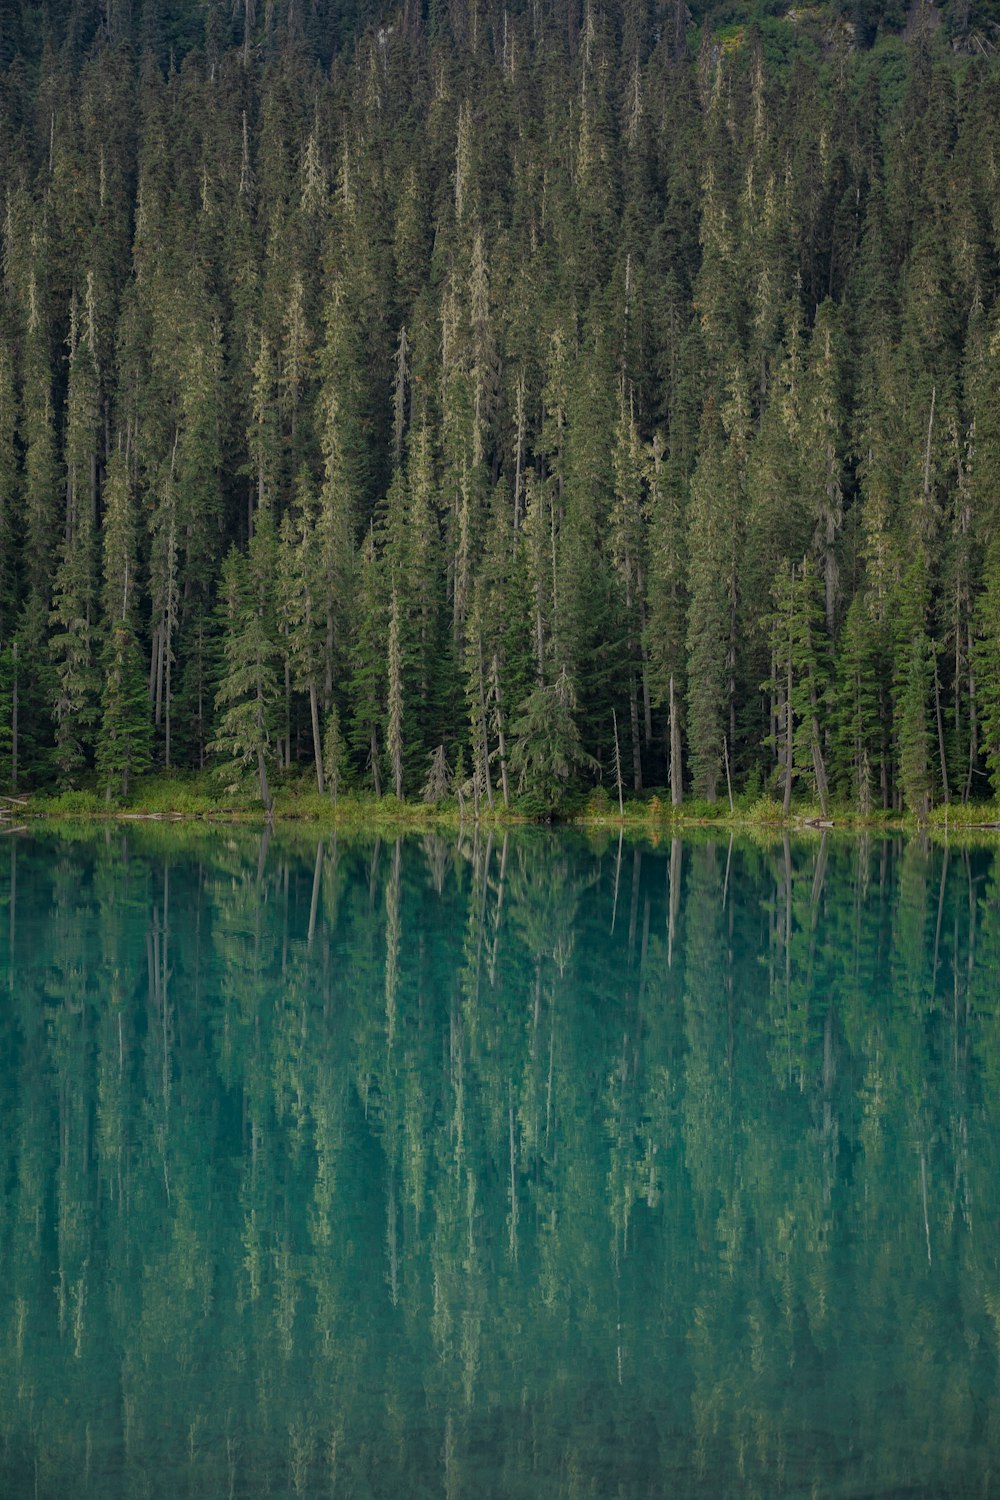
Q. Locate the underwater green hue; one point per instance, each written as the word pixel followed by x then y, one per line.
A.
pixel 523 1166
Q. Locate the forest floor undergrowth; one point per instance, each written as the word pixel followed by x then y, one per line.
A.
pixel 172 797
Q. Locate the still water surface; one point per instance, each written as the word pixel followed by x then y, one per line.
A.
pixel 514 1167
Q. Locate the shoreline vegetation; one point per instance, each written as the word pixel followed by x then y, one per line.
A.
pixel 197 799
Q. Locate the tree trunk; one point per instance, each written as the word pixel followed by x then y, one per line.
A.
pixel 940 731
pixel 500 734
pixel 13 725
pixel 647 705
pixel 787 801
pixel 633 705
pixel 374 764
pixel 487 778
pixel 154 674
pixel 265 790
pixel 166 713
pixel 676 768
pixel 519 455
pixel 317 745
pixel 819 765
pixel 973 725
pixel 288 708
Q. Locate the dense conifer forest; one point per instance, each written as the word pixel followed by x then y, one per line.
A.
pixel 497 400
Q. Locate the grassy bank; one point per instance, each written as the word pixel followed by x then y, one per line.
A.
pixel 198 796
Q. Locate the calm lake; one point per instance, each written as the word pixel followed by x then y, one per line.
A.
pixel 523 1166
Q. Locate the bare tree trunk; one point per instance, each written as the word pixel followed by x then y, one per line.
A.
pixel 676 768
pixel 317 746
pixel 633 705
pixel 487 778
pixel 819 765
pixel 505 786
pixel 154 674
pixel 13 725
pixel 288 708
pixel 940 731
pixel 166 714
pixel 618 767
pixel 374 764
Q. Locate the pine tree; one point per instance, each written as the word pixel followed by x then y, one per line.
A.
pixel 666 629
pixel 986 658
pixel 124 746
pixel 800 681
pixel 333 753
pixel 74 605
pixel 822 440
pixel 628 549
pixel 301 610
pixel 856 726
pixel 394 696
pixel 367 684
pixel 124 740
pixel 708 612
pixel 9 492
pixel 546 752
pixel 248 694
pixel 8 673
pixel 914 730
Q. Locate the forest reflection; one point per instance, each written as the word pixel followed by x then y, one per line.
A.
pixel 525 1164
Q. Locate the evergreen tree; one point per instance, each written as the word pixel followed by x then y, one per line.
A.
pixel 798 652
pixel 124 740
pixel 856 696
pixel 914 730
pixel 708 611
pixel 248 694
pixel 74 605
pixel 8 492
pixel 546 752
pixel 986 658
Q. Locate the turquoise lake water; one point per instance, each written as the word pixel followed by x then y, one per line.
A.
pixel 525 1166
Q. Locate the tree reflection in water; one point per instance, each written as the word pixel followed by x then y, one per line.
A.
pixel 509 1164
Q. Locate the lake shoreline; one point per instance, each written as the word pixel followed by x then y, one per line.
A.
pixel 154 803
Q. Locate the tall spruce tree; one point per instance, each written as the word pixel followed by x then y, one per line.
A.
pixel 124 740
pixel 248 693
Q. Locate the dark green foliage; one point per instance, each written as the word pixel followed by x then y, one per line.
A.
pixel 503 358
pixel 915 729
pixel 546 750
pixel 247 697
pixel 987 666
pixel 124 748
pixel 857 728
